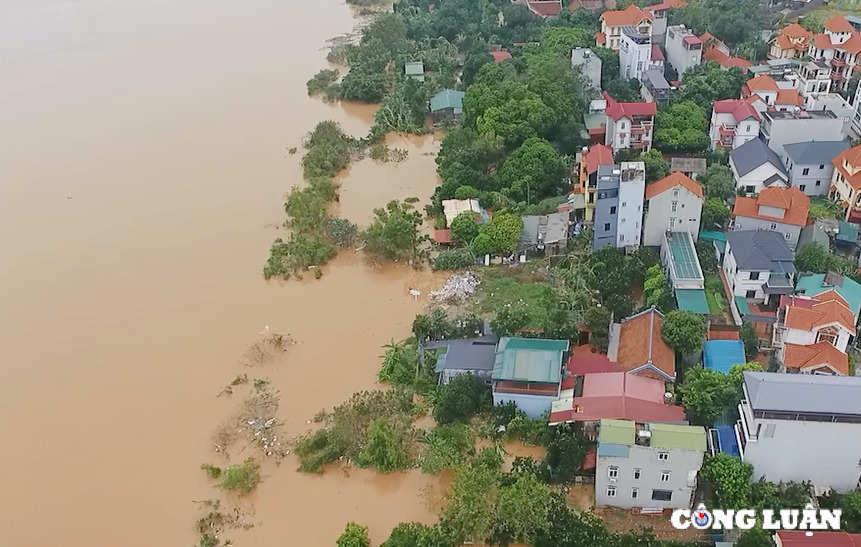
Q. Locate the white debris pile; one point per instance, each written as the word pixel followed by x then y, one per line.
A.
pixel 458 287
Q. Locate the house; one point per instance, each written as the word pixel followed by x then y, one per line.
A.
pixel 814 77
pixel 447 105
pixel 762 85
pixel 543 8
pixel 755 167
pixel 612 22
pixel 500 55
pixel 716 51
pixel 809 320
pixel 779 128
pixel 816 284
pixel 546 235
pixel 453 207
pixel 734 122
pixel 722 355
pixel 592 158
pixel 846 183
pixel 635 52
pixel 589 398
pixel 528 372
pixel 415 70
pixel 690 167
pixel 782 210
pixel 819 232
pixel 809 164
pixel 758 264
pixel 674 202
pixel 684 49
pixel 800 538
pixel 679 258
pixel 818 358
pixel 629 125
pixel 654 87
pixel 802 427
pixel 791 42
pixel 637 347
pixel 619 205
pixel 471 356
pixel 584 61
pixel 648 465
pixel 659 22
pixel 838 46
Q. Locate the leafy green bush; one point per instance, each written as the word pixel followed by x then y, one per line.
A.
pixel 529 431
pixel 354 536
pixel 297 254
pixel 321 81
pixel 340 231
pixel 388 447
pixel 453 259
pixel 211 471
pixel 394 232
pixel 329 150
pixel 242 478
pixel 447 447
pixel 464 396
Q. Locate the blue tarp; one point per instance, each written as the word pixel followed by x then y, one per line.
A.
pixel 721 355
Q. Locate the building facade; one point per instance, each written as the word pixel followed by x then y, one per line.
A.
pixel 629 125
pixel 590 160
pixel 655 88
pixel 839 47
pixel 846 183
pixel 613 21
pixel 786 127
pixel 809 165
pixel 619 205
pixel 755 167
pixel 635 53
pixel 684 49
pixel 734 122
pixel 673 203
pixel 758 265
pixel 775 209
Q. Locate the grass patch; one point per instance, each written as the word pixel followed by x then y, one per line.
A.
pixel 242 478
pixel 715 294
pixel 500 288
pixel 822 207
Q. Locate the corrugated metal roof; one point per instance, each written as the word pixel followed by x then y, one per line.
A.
pixel 616 432
pixel 692 300
pixel 685 437
pixel 447 98
pixel 807 393
pixel 529 360
pixel 721 355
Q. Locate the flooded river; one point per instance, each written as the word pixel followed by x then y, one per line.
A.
pixel 143 163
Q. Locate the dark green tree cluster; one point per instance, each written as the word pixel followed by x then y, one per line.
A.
pixel 710 396
pixel 709 82
pixel 682 127
pixel 657 289
pixel 684 331
pixel 732 21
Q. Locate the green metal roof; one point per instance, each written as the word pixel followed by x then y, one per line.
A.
pixel 848 232
pixel 692 300
pixel 616 432
pixel 447 98
pixel 742 306
pixel 686 437
pixel 714 236
pixel 813 284
pixel 529 360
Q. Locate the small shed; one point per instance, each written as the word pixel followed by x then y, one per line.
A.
pixel 691 167
pixel 415 70
pixel 722 355
pixel 454 357
pixel 447 105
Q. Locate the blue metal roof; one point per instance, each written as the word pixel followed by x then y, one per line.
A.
pixel 721 355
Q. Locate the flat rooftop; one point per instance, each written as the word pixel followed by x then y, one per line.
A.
pixel 804 393
pixel 801 115
pixel 684 256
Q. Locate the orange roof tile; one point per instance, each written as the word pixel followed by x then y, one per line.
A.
pixel 499 56
pixel 852 45
pixel 800 357
pixel 853 158
pixel 638 336
pixel 763 82
pixel 819 315
pixel 822 41
pixel 789 96
pixel 724 60
pixel 792 200
pixel 838 23
pixel 598 155
pixel 632 15
pixel 672 180
pixel 783 42
pixel 795 31
pixel 831 294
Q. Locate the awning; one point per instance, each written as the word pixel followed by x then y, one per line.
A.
pixel 848 232
pixel 742 306
pixel 692 300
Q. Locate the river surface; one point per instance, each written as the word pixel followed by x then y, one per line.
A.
pixel 143 164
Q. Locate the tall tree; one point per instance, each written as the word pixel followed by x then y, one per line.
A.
pixel 682 127
pixel 717 182
pixel 684 331
pixel 656 166
pixel 533 171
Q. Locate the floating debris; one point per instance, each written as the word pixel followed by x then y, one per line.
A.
pixel 459 287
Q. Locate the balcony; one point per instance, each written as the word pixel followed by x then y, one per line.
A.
pixel 837 62
pixel 639 144
pixel 778 283
pixel 837 77
pixel 727 130
pixel 638 130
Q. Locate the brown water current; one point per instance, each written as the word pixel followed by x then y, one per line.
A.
pixel 143 164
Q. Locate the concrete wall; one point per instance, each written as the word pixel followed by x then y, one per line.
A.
pixel 630 215
pixel 686 217
pixel 817 180
pixel 739 280
pixel 633 58
pixel 532 405
pixel 826 454
pixel 679 463
pixel 790 232
pixel 603 218
pixel 680 58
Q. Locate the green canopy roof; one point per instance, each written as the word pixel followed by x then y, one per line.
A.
pixel 848 232
pixel 692 300
pixel 686 437
pixel 529 360
pixel 447 98
pixel 742 306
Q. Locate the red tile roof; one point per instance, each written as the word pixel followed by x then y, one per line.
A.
pixel 499 56
pixel 442 236
pixel 763 82
pixel 792 200
pixel 640 342
pixel 598 155
pixel 545 8
pixel 818 315
pixel 617 110
pixel 795 31
pixel 739 108
pixel 659 7
pixel 798 538
pixel 724 335
pixel 838 23
pixel 853 44
pixel 591 460
pixel 632 15
pixel 721 58
pixel 621 396
pixel 581 363
pixel 822 41
pixel 657 54
pixel 789 96
pixel 853 158
pixel 809 358
pixel 672 180
pixel 691 40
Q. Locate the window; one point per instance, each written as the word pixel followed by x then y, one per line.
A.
pixel 634 493
pixel 754 276
pixel 672 222
pixel 750 294
pixel 613 472
pixel 806 171
pixel 750 189
pixel 821 167
pixel 637 473
pixel 665 476
pixel 622 221
pixel 611 491
pixel 772 226
pixel 624 203
pixel 622 125
pixel 663 456
pixel 662 495
pixel 802 187
pixel 612 209
pixel 607 227
pixel 675 206
pixel 787 235
pixel 747 128
pixel 676 193
pixel 818 182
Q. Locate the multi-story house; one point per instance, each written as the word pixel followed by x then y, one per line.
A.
pixel 776 94
pixel 733 123
pixel 776 209
pixel 654 87
pixel 647 465
pixel 758 265
pixel 816 284
pixel 592 158
pixel 801 427
pixel 856 112
pixel 612 22
pixel 846 182
pixel 659 22
pixel 588 64
pixel 838 46
pixel 684 49
pixel 762 85
pixel 809 165
pixel 629 125
pixel 792 42
pixel 673 203
pixel 809 322
pixel 813 77
pixel 779 128
pixel 635 53
pixel 528 372
pixel 619 205
pixel 755 167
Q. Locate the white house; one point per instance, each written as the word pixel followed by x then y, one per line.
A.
pixel 846 182
pixel 758 264
pixel 776 209
pixel 839 46
pixel 806 321
pixel 801 427
pixel 791 42
pixel 734 122
pixel 673 203
pixel 684 49
pixel 755 167
pixel 612 22
pixel 629 125
pixel 635 53
pixel 809 164
pixel 647 464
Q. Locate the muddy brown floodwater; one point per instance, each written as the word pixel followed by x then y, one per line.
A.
pixel 143 163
